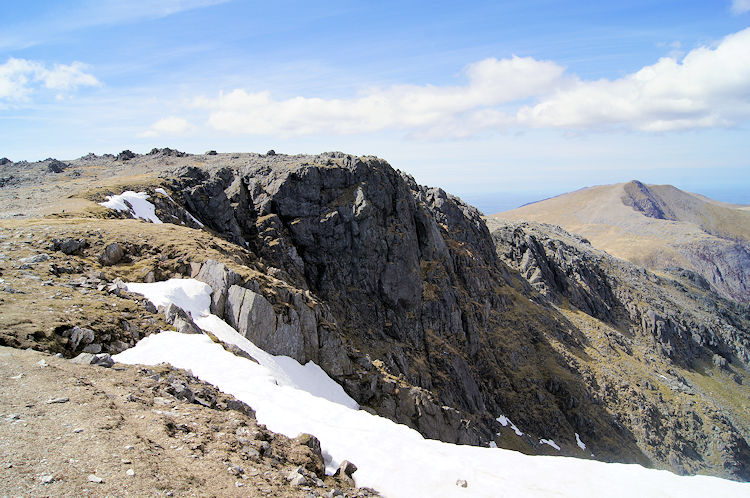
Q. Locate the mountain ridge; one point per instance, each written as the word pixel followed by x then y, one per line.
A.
pixel 404 296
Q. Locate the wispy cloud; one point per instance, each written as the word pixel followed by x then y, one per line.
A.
pixel 171 125
pixel 19 78
pixel 707 88
pixel 740 6
pixel 90 13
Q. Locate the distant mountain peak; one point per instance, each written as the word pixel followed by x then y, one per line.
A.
pixel 657 226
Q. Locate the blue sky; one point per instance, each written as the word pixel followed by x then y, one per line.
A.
pixel 499 102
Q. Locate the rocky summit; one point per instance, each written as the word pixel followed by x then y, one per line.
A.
pixel 517 335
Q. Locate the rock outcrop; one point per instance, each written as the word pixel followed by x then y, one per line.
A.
pixel 677 325
pixel 432 329
pixel 406 278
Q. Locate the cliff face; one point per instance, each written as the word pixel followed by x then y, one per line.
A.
pixel 439 334
pixel 666 331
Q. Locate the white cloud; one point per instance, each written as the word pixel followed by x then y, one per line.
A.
pixel 740 6
pixel 168 126
pixel 19 78
pixel 426 109
pixel 709 87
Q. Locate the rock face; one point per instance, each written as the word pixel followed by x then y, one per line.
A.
pixel 220 279
pixel 677 324
pixel 723 261
pixel 399 292
pixel 686 327
pixel 407 279
pixel 725 265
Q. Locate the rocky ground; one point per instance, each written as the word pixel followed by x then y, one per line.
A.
pixel 399 292
pixel 72 430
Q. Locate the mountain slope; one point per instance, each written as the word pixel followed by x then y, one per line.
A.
pixel 396 290
pixel 654 340
pixel 657 226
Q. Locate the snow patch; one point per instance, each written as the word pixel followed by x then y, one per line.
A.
pixel 550 442
pixel 395 460
pixel 580 443
pixel 504 421
pixel 135 203
pixel 194 297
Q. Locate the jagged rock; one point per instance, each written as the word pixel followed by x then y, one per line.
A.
pixel 307 453
pixel 181 391
pixel 186 327
pixel 557 269
pixel 69 245
pixel 111 255
pixel 346 468
pixel 93 348
pixel 237 351
pixel 37 258
pixel 214 198
pixel 125 155
pixel 181 320
pixel 172 311
pixel 55 166
pixel 79 336
pixel 101 359
pixel 117 346
pixel 720 361
pixel 4 161
pixel 297 479
pixel 166 151
pixel 241 407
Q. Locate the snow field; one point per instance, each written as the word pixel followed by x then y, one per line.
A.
pixel 290 398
